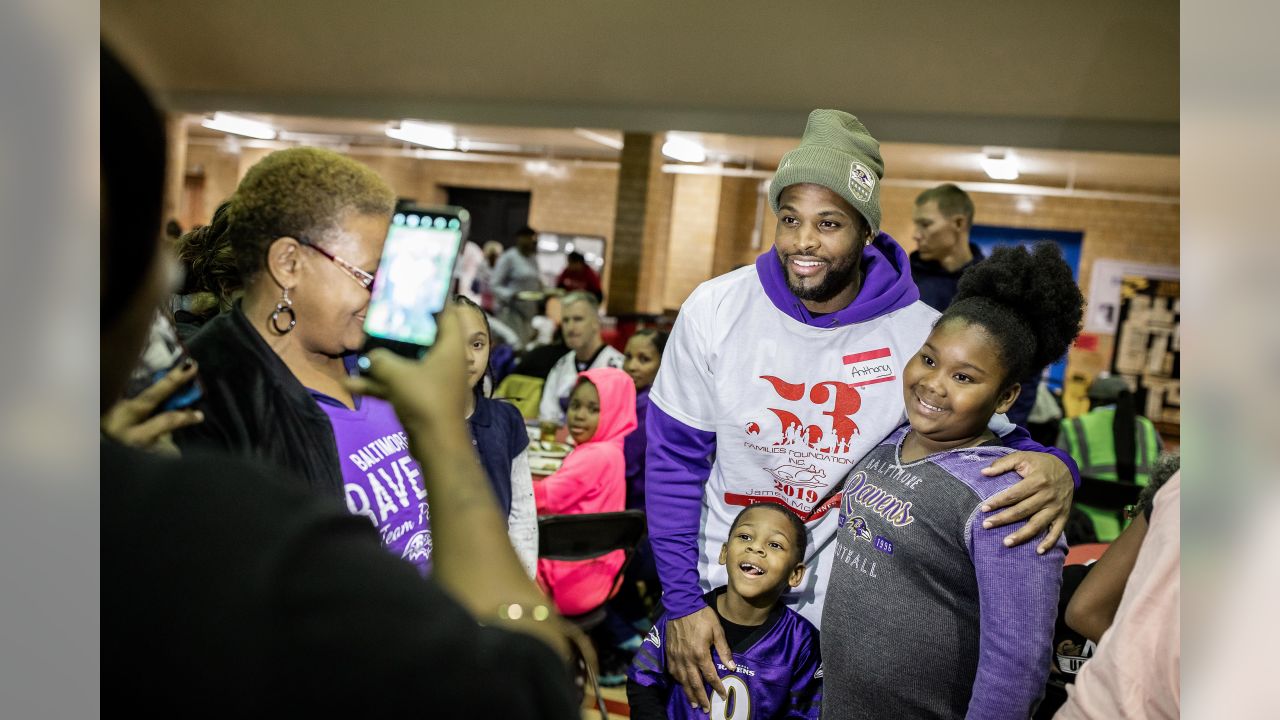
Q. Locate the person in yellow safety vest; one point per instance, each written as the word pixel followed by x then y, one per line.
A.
pixel 1110 442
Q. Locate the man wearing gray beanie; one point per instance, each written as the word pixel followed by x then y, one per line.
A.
pixel 779 377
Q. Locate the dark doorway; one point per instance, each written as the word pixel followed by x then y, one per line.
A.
pixel 495 214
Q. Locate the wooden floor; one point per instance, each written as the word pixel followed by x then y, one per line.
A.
pixel 615 701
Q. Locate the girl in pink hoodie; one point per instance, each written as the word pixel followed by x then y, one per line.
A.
pixel 602 411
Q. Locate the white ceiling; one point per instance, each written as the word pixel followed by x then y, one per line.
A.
pixel 1084 75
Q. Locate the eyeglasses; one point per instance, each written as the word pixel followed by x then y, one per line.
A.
pixel 360 276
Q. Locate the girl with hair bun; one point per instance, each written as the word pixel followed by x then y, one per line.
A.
pixel 927 609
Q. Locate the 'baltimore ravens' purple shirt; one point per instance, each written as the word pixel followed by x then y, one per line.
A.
pixel 779 671
pixel 379 479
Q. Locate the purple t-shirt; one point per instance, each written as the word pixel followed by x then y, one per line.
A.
pixel 379 478
pixel 779 671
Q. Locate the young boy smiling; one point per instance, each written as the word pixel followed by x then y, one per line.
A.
pixel 776 668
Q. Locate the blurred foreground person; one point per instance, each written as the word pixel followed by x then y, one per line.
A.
pixel 229 594
pixel 1135 671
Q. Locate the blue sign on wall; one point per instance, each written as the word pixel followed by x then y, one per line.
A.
pixel 989 237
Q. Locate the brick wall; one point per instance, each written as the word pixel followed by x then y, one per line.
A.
pixel 580 200
pixel 1120 230
pixel 695 215
pixel 738 213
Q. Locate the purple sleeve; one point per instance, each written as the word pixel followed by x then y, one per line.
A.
pixel 1020 439
pixel 677 465
pixel 648 685
pixel 633 449
pixel 1018 602
pixel 649 665
pixel 806 688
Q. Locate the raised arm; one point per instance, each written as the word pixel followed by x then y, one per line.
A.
pixel 468 530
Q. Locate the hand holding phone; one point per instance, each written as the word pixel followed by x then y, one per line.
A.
pixel 414 278
pixel 135 421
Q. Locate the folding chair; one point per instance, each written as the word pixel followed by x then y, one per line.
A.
pixel 523 391
pixel 583 537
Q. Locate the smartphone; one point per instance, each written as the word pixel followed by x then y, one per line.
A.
pixel 414 278
pixel 163 352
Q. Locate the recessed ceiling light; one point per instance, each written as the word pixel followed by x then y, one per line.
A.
pixel 433 135
pixel 1000 164
pixel 240 125
pixel 593 136
pixel 678 147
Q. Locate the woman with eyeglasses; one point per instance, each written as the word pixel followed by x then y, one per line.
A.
pixel 306 228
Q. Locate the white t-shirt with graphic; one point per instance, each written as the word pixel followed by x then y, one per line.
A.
pixel 794 408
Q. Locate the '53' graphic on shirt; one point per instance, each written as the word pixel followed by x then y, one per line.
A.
pixel 837 435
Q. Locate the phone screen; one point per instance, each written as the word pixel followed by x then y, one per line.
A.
pixel 414 277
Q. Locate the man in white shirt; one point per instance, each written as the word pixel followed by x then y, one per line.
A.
pixel 780 376
pixel 580 325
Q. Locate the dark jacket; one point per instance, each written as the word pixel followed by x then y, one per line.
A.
pixel 937 286
pixel 497 431
pixel 254 407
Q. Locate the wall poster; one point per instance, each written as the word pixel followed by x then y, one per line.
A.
pixel 1148 346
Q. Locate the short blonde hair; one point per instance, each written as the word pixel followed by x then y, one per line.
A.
pixel 295 193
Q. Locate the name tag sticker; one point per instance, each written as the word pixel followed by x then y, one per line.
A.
pixel 870 367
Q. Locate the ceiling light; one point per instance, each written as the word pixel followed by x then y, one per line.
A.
pixel 239 125
pixel 684 149
pixel 1000 164
pixel 607 141
pixel 433 135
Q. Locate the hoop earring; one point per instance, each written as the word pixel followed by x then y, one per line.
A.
pixel 284 306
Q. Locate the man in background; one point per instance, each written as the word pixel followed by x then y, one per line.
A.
pixel 578 275
pixel 942 219
pixel 516 273
pixel 580 325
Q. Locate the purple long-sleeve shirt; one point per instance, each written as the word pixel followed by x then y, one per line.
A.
pixel 927 614
pixel 633 449
pixel 680 456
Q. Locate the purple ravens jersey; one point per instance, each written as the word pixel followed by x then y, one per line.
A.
pixel 779 671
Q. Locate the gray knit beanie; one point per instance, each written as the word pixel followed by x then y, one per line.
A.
pixel 839 154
